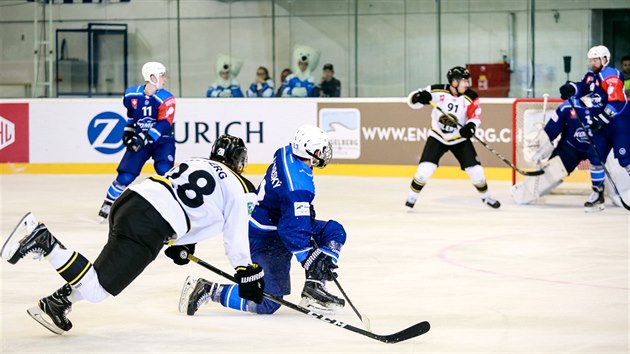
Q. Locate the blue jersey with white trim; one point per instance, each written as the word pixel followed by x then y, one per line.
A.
pixel 153 114
pixel 565 123
pixel 284 206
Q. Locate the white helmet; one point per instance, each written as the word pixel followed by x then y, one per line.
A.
pixel 308 139
pixel 599 51
pixel 153 68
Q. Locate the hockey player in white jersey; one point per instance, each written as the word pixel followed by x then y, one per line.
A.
pixel 195 200
pixel 462 105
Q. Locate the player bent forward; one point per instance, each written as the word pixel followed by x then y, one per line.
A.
pixel 283 225
pixel 462 105
pixel 195 200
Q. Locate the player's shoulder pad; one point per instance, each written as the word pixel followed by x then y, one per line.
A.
pixel 439 88
pixel 471 95
pixel 163 94
pixel 608 72
pixel 135 90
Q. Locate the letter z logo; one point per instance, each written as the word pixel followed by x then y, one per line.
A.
pixel 105 132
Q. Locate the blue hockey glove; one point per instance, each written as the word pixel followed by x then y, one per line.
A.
pixel 251 282
pixel 422 96
pixel 138 141
pixel 319 265
pixel 179 253
pixel 468 130
pixel 568 90
pixel 128 133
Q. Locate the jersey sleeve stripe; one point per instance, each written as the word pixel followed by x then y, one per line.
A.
pixel 169 187
pixel 246 187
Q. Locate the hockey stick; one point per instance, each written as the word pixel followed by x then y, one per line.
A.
pixel 524 173
pixel 594 148
pixel 414 331
pixel 364 319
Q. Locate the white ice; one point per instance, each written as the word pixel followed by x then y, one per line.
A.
pixel 544 278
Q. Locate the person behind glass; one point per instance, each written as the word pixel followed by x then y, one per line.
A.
pixel 226 85
pixel 148 134
pixel 301 82
pixel 329 86
pixel 262 86
pixel 625 70
pixel 283 76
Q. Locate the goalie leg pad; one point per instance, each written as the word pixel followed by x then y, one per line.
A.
pixel 534 187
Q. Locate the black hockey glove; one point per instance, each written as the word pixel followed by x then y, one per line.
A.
pixel 468 130
pixel 251 282
pixel 422 96
pixel 179 253
pixel 319 265
pixel 138 141
pixel 568 90
pixel 129 132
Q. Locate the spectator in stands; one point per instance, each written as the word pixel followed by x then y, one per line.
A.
pixel 283 76
pixel 328 86
pixel 625 70
pixel 226 85
pixel 262 86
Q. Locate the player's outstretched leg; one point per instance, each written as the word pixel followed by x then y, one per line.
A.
pixel 595 201
pixel 316 297
pixel 51 311
pixel 195 293
pixel 29 236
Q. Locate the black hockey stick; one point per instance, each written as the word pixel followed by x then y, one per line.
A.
pixel 414 331
pixel 496 153
pixel 364 319
pixel 594 148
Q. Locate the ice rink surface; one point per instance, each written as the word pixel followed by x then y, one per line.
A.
pixel 544 278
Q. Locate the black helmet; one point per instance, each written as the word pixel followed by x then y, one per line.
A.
pixel 231 151
pixel 457 73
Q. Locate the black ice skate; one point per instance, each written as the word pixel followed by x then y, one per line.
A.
pixel 202 292
pixel 491 202
pixel 315 297
pixel 52 310
pixel 411 201
pixel 29 236
pixel 105 209
pixel 595 201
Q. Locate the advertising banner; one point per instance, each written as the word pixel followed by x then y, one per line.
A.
pixel 391 133
pixel 14 137
pixel 90 131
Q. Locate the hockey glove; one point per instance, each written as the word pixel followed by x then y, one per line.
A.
pixel 568 90
pixel 138 141
pixel 251 282
pixel 598 121
pixel 422 96
pixel 129 132
pixel 319 265
pixel 179 253
pixel 468 130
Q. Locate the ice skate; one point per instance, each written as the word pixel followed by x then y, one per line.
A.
pixel 595 201
pixel 105 209
pixel 51 311
pixel 29 236
pixel 316 298
pixel 411 200
pixel 491 202
pixel 195 293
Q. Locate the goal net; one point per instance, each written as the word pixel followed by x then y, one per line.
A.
pixel 528 117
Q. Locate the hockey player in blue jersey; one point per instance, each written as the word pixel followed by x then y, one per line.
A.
pixel 558 161
pixel 226 85
pixel 148 134
pixel 301 82
pixel 283 226
pixel 602 88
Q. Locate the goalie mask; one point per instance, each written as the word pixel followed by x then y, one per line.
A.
pixel 457 73
pixel 231 151
pixel 308 141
